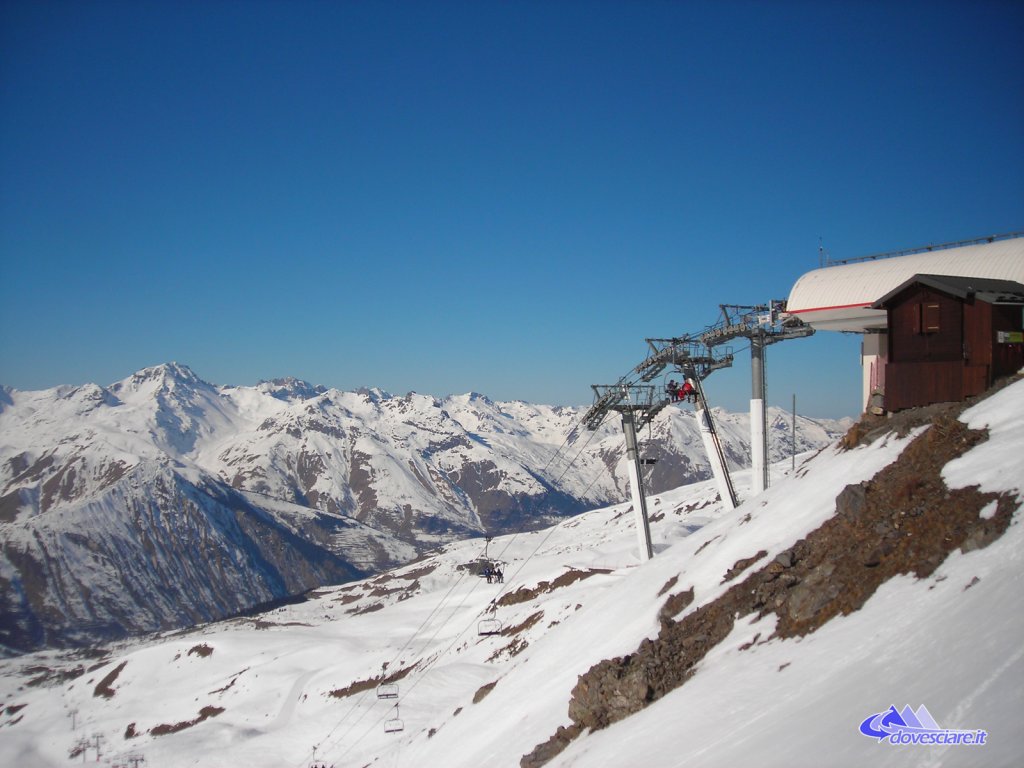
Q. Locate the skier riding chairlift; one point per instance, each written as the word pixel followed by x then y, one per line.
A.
pixel 687 392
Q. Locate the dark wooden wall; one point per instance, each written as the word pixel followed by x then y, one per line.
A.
pixel 925 326
pixel 942 349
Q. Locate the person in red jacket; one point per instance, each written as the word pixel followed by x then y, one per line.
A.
pixel 687 392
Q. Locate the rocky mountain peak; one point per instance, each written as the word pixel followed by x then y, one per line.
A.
pixel 165 377
pixel 290 389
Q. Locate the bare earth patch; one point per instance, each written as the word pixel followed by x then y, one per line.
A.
pixel 202 651
pixel 482 691
pixel 523 594
pixel 103 687
pixel 365 685
pixel 204 714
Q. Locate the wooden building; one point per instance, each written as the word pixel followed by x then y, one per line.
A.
pixel 843 296
pixel 950 337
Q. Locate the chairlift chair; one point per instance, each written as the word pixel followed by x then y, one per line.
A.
pixel 669 376
pixel 487 627
pixel 387 691
pixel 395 724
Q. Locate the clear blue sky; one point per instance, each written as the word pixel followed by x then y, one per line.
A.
pixel 505 197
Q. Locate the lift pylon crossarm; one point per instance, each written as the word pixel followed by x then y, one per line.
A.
pixel 691 357
pixel 621 397
pixel 606 397
pixel 664 352
pixel 767 321
pixel 646 417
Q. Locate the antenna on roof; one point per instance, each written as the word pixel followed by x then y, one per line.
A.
pixel 822 253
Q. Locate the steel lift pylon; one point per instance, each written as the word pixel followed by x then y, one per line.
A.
pixel 696 356
pixel 761 324
pixel 631 401
pixel 695 361
pixel 638 405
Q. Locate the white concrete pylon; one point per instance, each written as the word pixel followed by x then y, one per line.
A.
pixel 758 425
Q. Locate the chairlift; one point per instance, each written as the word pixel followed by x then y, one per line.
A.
pixel 395 724
pixel 686 372
pixel 387 691
pixel 476 567
pixel 483 566
pixel 487 627
pixel 668 391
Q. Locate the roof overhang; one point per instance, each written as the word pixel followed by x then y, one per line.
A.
pixel 962 287
pixel 843 297
pixel 852 318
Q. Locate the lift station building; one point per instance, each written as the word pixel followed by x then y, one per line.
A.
pixel 939 323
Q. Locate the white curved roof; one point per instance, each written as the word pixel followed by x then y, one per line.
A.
pixel 839 298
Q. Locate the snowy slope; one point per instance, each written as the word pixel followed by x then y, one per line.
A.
pixel 268 690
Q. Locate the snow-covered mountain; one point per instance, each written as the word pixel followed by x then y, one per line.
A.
pixel 876 587
pixel 162 500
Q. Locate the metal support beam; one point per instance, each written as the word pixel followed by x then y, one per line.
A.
pixel 713 448
pixel 636 484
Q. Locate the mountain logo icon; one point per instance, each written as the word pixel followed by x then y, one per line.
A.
pixel 917 727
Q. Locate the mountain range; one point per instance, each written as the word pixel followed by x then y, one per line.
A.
pixel 162 500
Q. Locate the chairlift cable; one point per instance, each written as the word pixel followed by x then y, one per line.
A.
pixel 572 431
pixel 421 673
pixel 551 529
pixel 395 658
pixel 463 574
pixel 401 695
pixel 593 434
pixel 522 526
pixel 418 678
